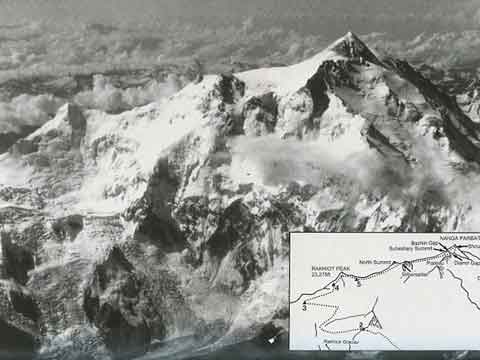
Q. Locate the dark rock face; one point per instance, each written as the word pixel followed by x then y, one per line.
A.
pixel 9 138
pixel 338 73
pixel 462 132
pixel 381 143
pixel 260 114
pixel 268 102
pixel 24 304
pixel 17 260
pixel 330 75
pixel 228 86
pixel 123 339
pixel 16 344
pixel 68 227
pixel 234 225
pixel 153 212
pixel 163 232
pixel 335 221
pixel 18 322
pixel 237 252
pixel 190 213
pixel 25 146
pixel 58 295
pixel 318 90
pixel 78 123
pixel 113 303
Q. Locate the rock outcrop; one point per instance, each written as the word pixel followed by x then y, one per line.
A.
pixel 111 303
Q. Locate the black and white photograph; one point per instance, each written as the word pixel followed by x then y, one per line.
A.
pixel 158 159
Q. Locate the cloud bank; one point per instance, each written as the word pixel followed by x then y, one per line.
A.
pixel 105 96
pixel 27 110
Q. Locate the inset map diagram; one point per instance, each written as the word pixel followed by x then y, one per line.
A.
pixel 384 291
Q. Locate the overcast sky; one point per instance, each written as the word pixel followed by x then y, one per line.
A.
pixel 329 17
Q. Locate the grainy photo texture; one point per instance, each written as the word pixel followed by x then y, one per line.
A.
pixel 156 154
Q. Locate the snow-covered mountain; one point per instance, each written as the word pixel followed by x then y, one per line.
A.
pixel 163 231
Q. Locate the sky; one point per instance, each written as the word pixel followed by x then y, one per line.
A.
pixel 89 36
pixel 328 17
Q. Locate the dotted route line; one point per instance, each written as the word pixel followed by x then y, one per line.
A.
pixel 321 305
pixel 334 313
pixel 374 275
pixel 393 266
pixel 358 330
pixel 339 332
pixel 319 296
pixel 331 317
pixel 427 258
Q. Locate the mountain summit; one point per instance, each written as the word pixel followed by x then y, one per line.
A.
pixel 118 229
pixel 350 46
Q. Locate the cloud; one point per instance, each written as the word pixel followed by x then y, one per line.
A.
pixel 105 96
pixel 455 15
pixel 274 161
pixel 47 48
pixel 27 110
pixel 445 49
pixel 43 48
